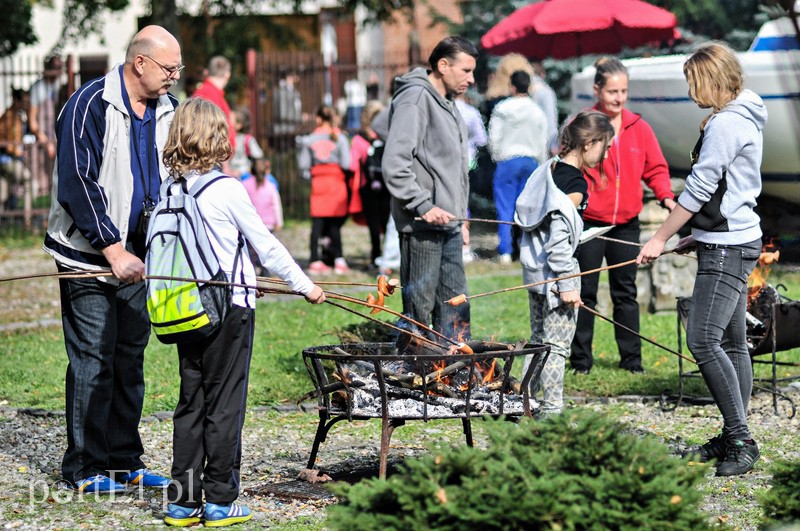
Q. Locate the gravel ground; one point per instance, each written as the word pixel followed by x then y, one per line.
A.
pixel 277 444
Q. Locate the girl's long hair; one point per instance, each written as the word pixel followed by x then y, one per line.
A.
pixel 714 75
pixel 198 138
pixel 327 115
pixel 585 128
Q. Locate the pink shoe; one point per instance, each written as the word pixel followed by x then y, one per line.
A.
pixel 318 267
pixel 340 267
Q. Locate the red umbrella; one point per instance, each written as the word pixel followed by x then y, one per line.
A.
pixel 570 28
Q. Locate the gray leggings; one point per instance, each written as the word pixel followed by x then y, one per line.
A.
pixel 554 327
pixel 716 329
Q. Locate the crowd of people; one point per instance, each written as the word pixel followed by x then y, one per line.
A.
pixel 123 140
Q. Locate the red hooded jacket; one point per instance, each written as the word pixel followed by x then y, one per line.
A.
pixel 635 156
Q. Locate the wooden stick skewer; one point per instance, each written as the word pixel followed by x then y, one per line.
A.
pixel 499 222
pixel 461 299
pixel 601 316
pixel 96 274
pixel 396 314
pixel 274 280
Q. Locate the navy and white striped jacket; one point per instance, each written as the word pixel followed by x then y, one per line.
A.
pixel 92 180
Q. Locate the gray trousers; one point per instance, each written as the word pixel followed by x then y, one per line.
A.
pixel 432 271
pixel 554 327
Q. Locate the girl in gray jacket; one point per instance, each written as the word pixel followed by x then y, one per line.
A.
pixel 549 213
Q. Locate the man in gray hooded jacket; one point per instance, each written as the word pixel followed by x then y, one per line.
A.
pixel 425 167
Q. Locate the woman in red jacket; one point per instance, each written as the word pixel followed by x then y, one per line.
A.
pixel 324 156
pixel 615 198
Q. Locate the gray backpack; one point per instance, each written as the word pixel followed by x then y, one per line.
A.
pixel 182 307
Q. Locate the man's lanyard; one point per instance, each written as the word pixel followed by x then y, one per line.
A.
pixel 148 200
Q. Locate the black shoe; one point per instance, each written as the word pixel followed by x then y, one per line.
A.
pixel 713 450
pixel 580 371
pixel 740 457
pixel 634 370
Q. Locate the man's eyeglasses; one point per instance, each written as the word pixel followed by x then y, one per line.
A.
pixel 169 70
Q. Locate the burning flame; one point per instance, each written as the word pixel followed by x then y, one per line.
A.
pixel 758 278
pixel 488 376
pixel 439 367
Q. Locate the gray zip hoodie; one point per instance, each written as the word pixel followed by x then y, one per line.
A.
pixel 425 160
pixel 551 231
pixel 726 179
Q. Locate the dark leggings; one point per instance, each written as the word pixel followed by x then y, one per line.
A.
pixel 376 211
pixel 330 227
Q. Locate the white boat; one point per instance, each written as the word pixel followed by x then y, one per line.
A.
pixel 659 92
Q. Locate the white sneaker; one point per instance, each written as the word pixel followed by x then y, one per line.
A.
pixel 466 254
pixel 504 259
pixel 340 267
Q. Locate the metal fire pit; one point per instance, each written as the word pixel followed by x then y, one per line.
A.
pixel 323 361
pixel 773 325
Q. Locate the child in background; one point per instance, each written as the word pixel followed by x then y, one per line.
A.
pixel 207 446
pixel 265 197
pixel 324 157
pixel 549 212
pixel 248 157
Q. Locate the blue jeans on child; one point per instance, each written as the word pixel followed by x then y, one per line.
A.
pixel 716 329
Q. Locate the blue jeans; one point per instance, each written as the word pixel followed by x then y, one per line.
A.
pixel 716 329
pixel 431 272
pixel 510 177
pixel 106 330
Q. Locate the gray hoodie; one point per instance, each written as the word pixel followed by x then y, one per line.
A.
pixel 425 159
pixel 726 179
pixel 551 231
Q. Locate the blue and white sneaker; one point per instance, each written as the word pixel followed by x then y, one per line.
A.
pixel 225 515
pixel 99 484
pixel 145 478
pixel 180 516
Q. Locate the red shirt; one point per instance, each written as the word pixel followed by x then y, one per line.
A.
pixel 635 156
pixel 209 91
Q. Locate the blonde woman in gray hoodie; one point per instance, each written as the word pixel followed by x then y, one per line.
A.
pixel 718 203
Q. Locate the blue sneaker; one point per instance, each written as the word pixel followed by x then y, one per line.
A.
pixel 225 515
pixel 100 484
pixel 180 516
pixel 145 478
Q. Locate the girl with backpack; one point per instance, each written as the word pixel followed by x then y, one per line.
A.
pixel 208 420
pixel 324 157
pixel 549 213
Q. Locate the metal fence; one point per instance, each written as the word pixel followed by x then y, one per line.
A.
pixel 26 164
pixel 284 91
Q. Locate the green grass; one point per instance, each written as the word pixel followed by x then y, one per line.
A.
pixel 33 361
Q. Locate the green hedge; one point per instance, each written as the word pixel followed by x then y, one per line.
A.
pixel 578 470
pixel 781 503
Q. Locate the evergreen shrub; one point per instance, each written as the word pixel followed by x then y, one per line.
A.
pixel 579 470
pixel 781 503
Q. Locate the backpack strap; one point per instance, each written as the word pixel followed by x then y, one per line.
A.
pixel 204 181
pixel 200 186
